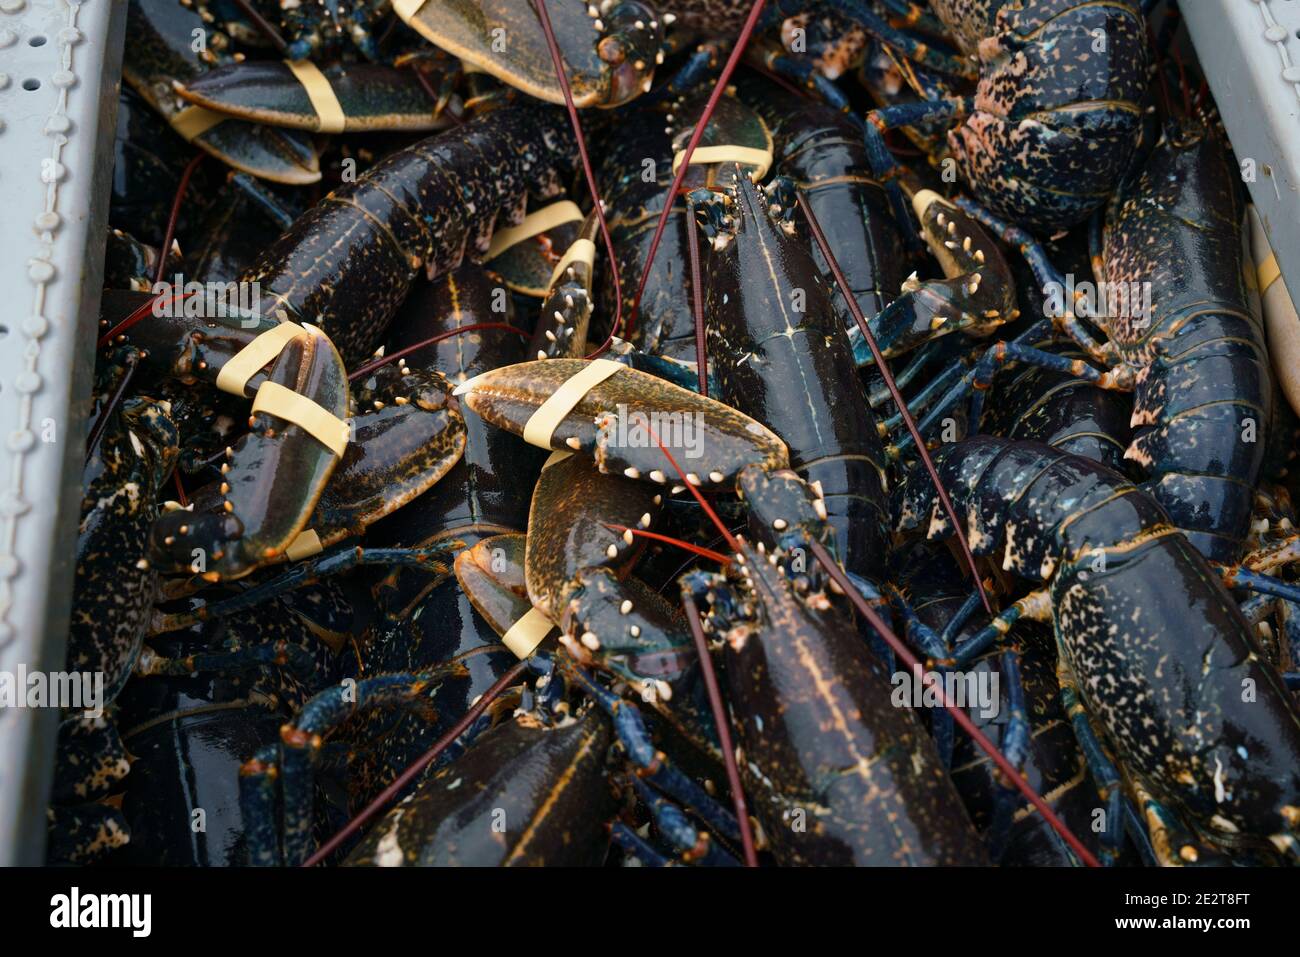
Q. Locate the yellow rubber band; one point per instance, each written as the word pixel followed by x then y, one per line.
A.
pixel 245 363
pixel 534 224
pixel 542 423
pixel 305 545
pixel 728 153
pixel 527 633
pixel 1267 273
pixel 583 251
pixel 193 121
pixel 322 96
pixel 325 426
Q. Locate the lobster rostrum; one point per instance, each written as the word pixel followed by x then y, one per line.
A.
pixel 636 197
pixel 1151 646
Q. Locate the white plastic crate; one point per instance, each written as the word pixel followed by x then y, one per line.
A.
pixel 60 64
pixel 1249 51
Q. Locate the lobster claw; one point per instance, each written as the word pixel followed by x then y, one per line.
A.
pixel 610 56
pixel 629 421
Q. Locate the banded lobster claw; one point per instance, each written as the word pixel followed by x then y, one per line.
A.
pixel 610 52
pixel 630 422
pixel 274 475
pixel 573 571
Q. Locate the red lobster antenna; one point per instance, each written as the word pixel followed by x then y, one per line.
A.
pixel 558 62
pixel 958 715
pixel 409 775
pixel 264 26
pixel 721 720
pixel 700 550
pixel 168 236
pixel 751 23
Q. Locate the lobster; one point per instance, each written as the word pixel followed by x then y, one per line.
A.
pixel 1056 113
pixel 839 774
pixel 821 150
pixel 1183 209
pixel 1152 648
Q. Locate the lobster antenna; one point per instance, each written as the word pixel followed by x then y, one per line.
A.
pixel 708 509
pixel 101 423
pixel 169 235
pixel 958 714
pixel 420 763
pixel 843 283
pixel 751 23
pixel 174 216
pixel 697 299
pixel 723 723
pixel 432 340
pixel 558 62
pixel 700 550
pixel 264 25
pixel 180 488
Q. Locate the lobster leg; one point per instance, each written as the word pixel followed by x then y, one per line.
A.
pixel 692 844
pixel 980 378
pixel 885 167
pixel 1048 276
pixel 636 846
pixel 281 654
pixel 1015 745
pixel 805 73
pixel 931 645
pixel 1235 576
pixel 1036 606
pixel 294 760
pixel 1104 773
pixel 912 47
pixel 653 765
